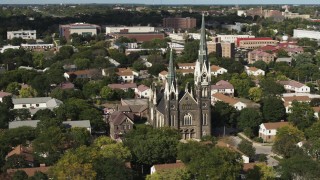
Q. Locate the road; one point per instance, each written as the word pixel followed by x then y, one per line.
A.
pixel 260 149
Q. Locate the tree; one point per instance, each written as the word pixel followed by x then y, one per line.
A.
pixel 155 69
pixel 190 52
pixel 75 164
pixel 152 146
pixel 225 114
pixel 43 113
pixel 91 89
pixel 138 65
pixel 286 139
pixel 20 175
pixel 41 85
pixel 303 58
pixel 249 121
pixel 16 161
pixel 242 84
pixel 273 109
pixel 82 63
pixel 261 65
pixel 27 92
pixel 78 137
pixel 177 174
pixel 271 88
pixel 39 176
pixel 109 168
pixel 49 144
pixel 247 148
pixel 315 102
pixel 299 167
pixel 13 88
pixel 302 115
pixel 7 101
pixel 21 114
pixel 107 93
pixel 261 171
pixel 255 94
pixel 282 53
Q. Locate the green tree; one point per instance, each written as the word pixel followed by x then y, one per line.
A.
pixel 13 88
pixel 16 161
pixel 303 58
pixel 27 92
pixel 261 65
pixel 39 176
pixel 282 53
pixel 190 52
pixel 261 171
pixel 177 174
pixel 21 114
pixel 77 137
pixel 225 114
pixel 43 113
pixel 91 89
pixel 20 175
pixel 247 148
pixel 138 65
pixel 255 94
pixel 109 168
pixel 152 146
pixel 249 121
pixel 299 167
pixel 286 139
pixel 271 88
pixel 302 115
pixel 273 109
pixel 82 63
pixel 242 84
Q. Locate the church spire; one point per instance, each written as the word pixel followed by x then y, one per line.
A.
pixel 203 45
pixel 171 71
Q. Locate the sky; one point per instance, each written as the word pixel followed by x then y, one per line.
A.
pixel 161 1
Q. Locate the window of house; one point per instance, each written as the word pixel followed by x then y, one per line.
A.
pixel 24 105
pixel 37 105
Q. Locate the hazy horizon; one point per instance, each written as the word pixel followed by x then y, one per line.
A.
pixel 164 2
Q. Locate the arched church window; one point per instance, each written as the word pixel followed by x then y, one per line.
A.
pixel 187 119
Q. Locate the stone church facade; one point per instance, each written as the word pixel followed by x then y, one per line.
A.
pixel 187 110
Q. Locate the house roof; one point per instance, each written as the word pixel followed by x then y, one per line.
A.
pixel 29 123
pixel 142 88
pixel 215 68
pixel 316 109
pixel 124 72
pixel 66 85
pixel 123 86
pixel 161 167
pixel 3 94
pixel 30 171
pixel 134 102
pixel 222 85
pixel 81 124
pixel 296 98
pixel 254 69
pixel 51 102
pixel 22 150
pixel 275 125
pixel 164 73
pixel 248 166
pixel 292 83
pixel 186 64
pixel 225 98
pixel 118 117
pixel 185 70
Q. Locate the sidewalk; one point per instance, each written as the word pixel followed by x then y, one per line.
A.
pixel 253 142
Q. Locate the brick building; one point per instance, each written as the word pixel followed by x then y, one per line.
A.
pixel 179 23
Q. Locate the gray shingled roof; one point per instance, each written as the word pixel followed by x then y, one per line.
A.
pixel 29 123
pixel 51 102
pixel 81 123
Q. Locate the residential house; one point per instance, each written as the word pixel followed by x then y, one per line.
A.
pixel 287 60
pixel 124 86
pixel 66 85
pixel 287 101
pixel 25 151
pixel 163 75
pixel 216 70
pixel 120 124
pixel 186 65
pixel 259 55
pixel 223 87
pixel 295 86
pixel 35 104
pixel 254 71
pixel 31 171
pixel 185 71
pixel 316 111
pixel 162 167
pixel 83 74
pixel 138 110
pixel 4 94
pixel 143 91
pixel 245 158
pixel 125 75
pixel 229 100
pixel 268 131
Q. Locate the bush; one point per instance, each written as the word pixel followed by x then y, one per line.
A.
pixel 262 158
pixel 258 139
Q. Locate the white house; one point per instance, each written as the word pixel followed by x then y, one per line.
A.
pixel 229 100
pixel 216 70
pixel 223 87
pixel 289 99
pixel 163 75
pixel 24 34
pixel 125 75
pixel 143 91
pixel 254 71
pixel 295 86
pixel 268 131
pixel 3 94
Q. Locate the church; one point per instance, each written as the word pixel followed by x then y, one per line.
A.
pixel 187 110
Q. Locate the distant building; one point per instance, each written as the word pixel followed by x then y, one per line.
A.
pixel 83 29
pixel 253 43
pixel 180 23
pixel 37 46
pixel 268 131
pixel 259 55
pixel 295 86
pixel 120 124
pixel 300 33
pixel 237 104
pixel 4 94
pixel 24 34
pixel 232 38
pixel 222 49
pixel 140 37
pixel 129 29
pixel 125 75
pixel 83 74
pixel 143 91
pixel 254 71
pixel 233 27
pixel 123 86
pixel 223 87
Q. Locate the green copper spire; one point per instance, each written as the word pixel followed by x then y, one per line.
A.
pixel 171 72
pixel 203 44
